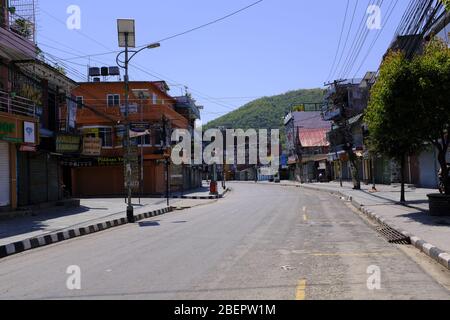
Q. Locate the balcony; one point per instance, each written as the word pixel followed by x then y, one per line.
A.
pixel 17 105
pixel 16 38
pixel 187 103
pixel 332 114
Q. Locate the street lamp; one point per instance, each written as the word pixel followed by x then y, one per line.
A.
pixel 127 39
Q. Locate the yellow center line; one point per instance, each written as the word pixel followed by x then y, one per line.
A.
pixel 301 291
pixel 305 214
pixel 364 254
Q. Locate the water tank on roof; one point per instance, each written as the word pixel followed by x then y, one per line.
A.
pixel 114 71
pixel 105 71
pixel 94 72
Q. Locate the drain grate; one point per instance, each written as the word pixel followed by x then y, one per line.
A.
pixel 392 235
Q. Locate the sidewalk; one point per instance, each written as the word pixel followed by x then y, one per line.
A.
pixel 91 212
pixel 412 218
pixel 201 193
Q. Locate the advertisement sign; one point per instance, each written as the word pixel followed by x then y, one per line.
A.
pixel 72 113
pixel 29 132
pixel 67 144
pixel 92 146
pixel 7 130
pixel 132 168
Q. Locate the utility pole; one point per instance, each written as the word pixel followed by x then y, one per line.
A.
pixel 167 159
pixel 130 209
pixel 127 39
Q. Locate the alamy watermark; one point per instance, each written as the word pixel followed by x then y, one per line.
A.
pixel 73 21
pixel 74 280
pixel 230 147
pixel 374 19
pixel 374 280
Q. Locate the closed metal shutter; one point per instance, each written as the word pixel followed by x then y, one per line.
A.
pixel 4 174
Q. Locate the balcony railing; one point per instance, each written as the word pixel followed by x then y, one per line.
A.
pixel 21 26
pixel 17 105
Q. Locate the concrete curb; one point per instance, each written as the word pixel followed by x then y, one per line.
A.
pixel 45 240
pixel 203 197
pixel 430 250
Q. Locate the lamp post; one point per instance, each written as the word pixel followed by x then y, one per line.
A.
pixel 127 39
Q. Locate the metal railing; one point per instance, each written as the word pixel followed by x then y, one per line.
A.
pixel 17 105
pixel 22 26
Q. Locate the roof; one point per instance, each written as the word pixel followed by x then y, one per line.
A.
pixel 310 120
pixel 314 137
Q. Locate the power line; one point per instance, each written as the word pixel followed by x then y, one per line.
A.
pixel 356 39
pixel 358 48
pixel 348 35
pixel 390 10
pixel 170 37
pixel 340 40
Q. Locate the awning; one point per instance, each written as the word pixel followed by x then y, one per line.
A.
pixel 313 137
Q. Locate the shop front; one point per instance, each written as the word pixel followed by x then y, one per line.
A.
pixel 17 135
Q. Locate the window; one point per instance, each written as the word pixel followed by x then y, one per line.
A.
pixel 159 137
pixel 106 135
pixel 80 101
pixel 113 100
pixel 145 140
pixel 154 98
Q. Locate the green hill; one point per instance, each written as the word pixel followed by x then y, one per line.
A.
pixel 267 112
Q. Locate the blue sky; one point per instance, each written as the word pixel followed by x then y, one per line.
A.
pixel 273 47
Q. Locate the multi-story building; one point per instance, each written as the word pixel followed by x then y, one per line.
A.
pixel 96 168
pixel 306 145
pixel 31 92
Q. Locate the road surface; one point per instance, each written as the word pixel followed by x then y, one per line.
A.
pixel 260 242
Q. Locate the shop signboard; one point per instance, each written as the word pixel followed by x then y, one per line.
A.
pixel 67 144
pixel 92 147
pixel 29 132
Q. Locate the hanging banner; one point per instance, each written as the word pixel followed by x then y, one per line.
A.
pixel 132 168
pixel 72 113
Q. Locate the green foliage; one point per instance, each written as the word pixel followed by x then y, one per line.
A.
pixel 391 114
pixel 267 112
pixel 410 104
pixel 432 71
pixel 23 27
pixel 447 4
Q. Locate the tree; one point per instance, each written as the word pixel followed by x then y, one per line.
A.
pixel 392 115
pixel 432 71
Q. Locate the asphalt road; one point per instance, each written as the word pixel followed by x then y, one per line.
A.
pixel 260 242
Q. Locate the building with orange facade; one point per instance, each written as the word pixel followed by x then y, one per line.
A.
pixel 95 166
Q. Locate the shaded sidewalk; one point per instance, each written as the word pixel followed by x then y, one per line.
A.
pixel 91 212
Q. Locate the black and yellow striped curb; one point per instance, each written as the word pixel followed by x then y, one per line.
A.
pixel 430 250
pixel 45 240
